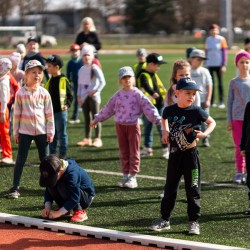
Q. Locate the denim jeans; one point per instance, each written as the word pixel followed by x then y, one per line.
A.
pixel 60 119
pixel 22 154
pixel 148 131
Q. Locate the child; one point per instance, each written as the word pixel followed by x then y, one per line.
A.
pixel 91 81
pixel 127 105
pixel 152 86
pixel 60 91
pixel 68 185
pixel 245 148
pixel 238 97
pixel 181 126
pixel 141 55
pixel 33 120
pixel 5 67
pixel 203 78
pixel 34 54
pixel 73 66
pixel 21 49
pixel 216 53
pixel 181 68
pixel 18 74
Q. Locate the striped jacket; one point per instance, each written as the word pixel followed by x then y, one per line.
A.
pixel 33 112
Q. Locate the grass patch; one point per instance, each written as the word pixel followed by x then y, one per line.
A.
pixel 222 221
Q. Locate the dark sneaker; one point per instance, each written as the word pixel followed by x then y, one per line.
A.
pixel 79 216
pixel 194 227
pixel 159 225
pixel 13 193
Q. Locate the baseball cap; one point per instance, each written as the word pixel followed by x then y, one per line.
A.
pixel 198 53
pixel 74 46
pixel 141 52
pixel 5 66
pixel 32 38
pixel 32 64
pixel 126 71
pixel 155 58
pixel 49 168
pixel 55 60
pixel 187 84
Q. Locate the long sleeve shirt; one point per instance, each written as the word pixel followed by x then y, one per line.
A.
pixel 4 92
pixel 33 112
pixel 127 106
pixel 91 38
pixel 238 97
pixel 73 67
pixel 90 77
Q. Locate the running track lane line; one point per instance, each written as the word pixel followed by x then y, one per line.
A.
pixel 113 235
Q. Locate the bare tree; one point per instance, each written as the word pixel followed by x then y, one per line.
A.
pixel 6 8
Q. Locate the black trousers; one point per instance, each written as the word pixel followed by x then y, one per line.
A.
pixel 217 71
pixel 248 172
pixel 184 163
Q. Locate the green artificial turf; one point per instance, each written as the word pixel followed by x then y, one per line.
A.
pixel 223 203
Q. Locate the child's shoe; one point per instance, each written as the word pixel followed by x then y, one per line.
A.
pixel 85 142
pixel 13 193
pixel 123 180
pixel 165 153
pixel 72 121
pixel 247 212
pixel 79 216
pixel 7 161
pixel 238 178
pixel 194 227
pixel 160 224
pixel 97 143
pixel 146 152
pixel 131 182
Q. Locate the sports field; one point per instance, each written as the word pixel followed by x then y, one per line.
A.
pixel 223 202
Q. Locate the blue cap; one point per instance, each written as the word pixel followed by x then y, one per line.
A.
pixel 187 84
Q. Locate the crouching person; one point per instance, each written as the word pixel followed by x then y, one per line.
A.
pixel 68 185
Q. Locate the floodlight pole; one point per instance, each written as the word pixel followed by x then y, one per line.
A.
pixel 226 19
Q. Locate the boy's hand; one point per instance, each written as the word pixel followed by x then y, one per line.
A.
pixel 55 214
pixel 16 138
pixel 229 126
pixel 200 134
pixel 45 212
pixel 93 124
pixel 165 137
pixel 50 138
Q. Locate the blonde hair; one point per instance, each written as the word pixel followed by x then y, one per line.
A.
pixel 178 64
pixel 89 20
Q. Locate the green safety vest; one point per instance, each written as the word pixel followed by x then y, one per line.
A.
pixel 62 89
pixel 160 85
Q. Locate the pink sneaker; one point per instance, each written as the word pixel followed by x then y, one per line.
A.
pixel 78 216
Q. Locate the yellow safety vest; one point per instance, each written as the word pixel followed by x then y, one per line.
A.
pixel 62 89
pixel 160 85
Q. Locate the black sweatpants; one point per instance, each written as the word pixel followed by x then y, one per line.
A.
pixel 248 172
pixel 184 163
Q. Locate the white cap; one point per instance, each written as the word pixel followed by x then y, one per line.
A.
pixel 126 71
pixel 32 64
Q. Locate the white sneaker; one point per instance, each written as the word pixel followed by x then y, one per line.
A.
pixel 238 178
pixel 7 161
pixel 162 194
pixel 165 153
pixel 74 121
pixel 131 182
pixel 221 105
pixel 194 227
pixel 123 180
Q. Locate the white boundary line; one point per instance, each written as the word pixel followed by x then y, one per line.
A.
pixel 113 235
